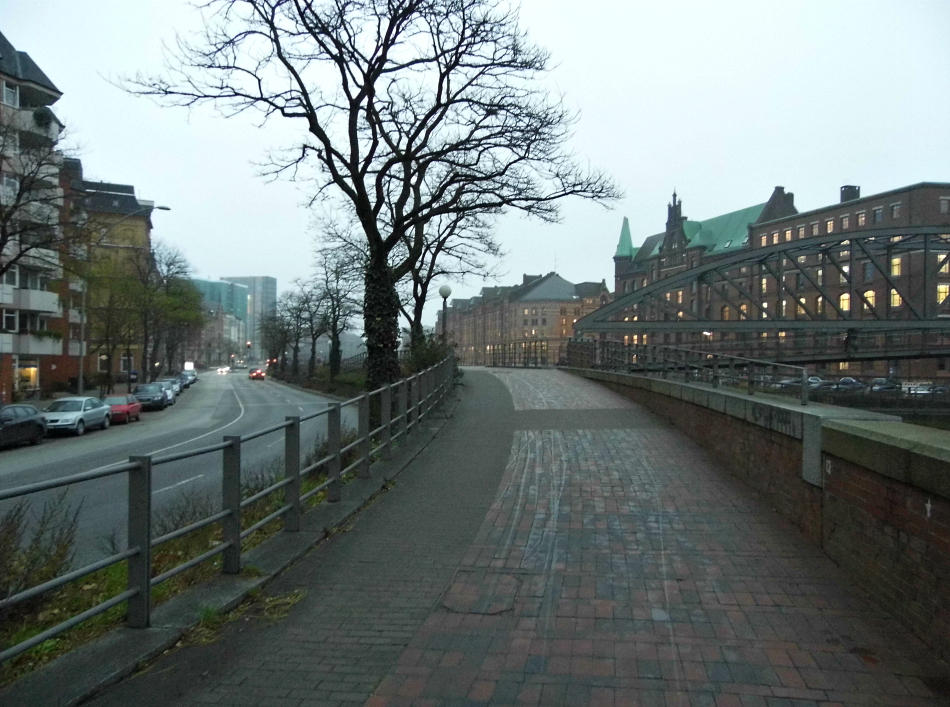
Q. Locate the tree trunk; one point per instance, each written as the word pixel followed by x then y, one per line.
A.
pixel 336 355
pixel 313 357
pixel 380 322
pixel 417 336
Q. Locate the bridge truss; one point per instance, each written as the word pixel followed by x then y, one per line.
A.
pixel 871 294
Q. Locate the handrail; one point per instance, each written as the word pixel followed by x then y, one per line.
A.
pixel 401 406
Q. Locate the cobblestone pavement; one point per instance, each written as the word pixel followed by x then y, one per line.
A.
pixel 556 544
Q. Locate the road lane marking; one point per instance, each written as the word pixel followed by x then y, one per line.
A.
pixel 180 483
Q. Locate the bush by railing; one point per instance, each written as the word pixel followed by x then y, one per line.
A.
pixel 395 410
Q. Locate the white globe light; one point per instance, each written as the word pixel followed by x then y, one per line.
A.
pixel 445 291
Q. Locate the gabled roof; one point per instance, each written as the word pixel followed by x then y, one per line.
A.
pixel 724 232
pixel 625 247
pixel 549 287
pixel 21 67
pixel 590 289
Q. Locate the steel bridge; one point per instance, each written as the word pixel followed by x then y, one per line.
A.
pixel 867 295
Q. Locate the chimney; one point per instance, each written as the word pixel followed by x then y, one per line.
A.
pixel 849 192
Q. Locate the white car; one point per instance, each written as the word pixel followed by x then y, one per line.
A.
pixel 77 414
pixel 224 369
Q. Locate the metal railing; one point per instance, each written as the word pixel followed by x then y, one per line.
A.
pixel 399 407
pixel 691 366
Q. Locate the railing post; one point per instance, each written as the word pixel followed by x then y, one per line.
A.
pixel 385 420
pixel 804 386
pixel 402 407
pixel 362 471
pixel 414 399
pixel 292 472
pixel 333 451
pixel 231 501
pixel 140 536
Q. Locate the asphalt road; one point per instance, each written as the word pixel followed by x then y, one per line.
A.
pixel 216 406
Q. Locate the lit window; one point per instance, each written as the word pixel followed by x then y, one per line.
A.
pixel 801 305
pixel 843 366
pixel 843 277
pixel 829 225
pixel 788 234
pixel 896 299
pixel 765 310
pixel 775 238
pixel 801 231
pixel 783 308
pixel 943 290
pixel 820 273
pixel 845 222
pixel 763 240
pixel 896 210
pixel 861 218
pixel 943 261
pixel 896 266
pixel 743 311
pixel 814 228
pixel 844 302
pixel 820 304
pixel 764 283
pixel 868 300
pixel 679 297
pixel 801 259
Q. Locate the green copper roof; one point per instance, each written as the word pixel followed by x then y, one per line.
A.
pixel 625 247
pixel 723 232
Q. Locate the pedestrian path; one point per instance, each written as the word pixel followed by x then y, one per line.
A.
pixel 556 544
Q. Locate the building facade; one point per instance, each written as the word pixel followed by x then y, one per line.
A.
pixel 224 338
pixel 770 281
pixel 536 316
pixel 30 199
pixel 261 304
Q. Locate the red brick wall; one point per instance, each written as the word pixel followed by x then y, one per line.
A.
pixel 6 379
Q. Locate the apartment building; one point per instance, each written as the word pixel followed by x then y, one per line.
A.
pixel 30 232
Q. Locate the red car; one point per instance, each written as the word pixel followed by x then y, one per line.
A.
pixel 257 373
pixel 125 408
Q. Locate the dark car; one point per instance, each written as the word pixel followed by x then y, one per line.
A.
pixel 151 395
pixel 257 374
pixel 849 385
pixel 21 423
pixel 884 385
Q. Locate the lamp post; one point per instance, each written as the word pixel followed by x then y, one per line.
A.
pixel 80 382
pixel 444 293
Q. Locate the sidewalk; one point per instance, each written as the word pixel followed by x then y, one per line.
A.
pixel 555 544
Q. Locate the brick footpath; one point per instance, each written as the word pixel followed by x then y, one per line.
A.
pixel 556 545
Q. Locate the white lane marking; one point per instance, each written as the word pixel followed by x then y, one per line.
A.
pixel 187 441
pixel 180 483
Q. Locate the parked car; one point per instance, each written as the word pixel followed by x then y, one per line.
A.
pixel 191 375
pixel 185 380
pixel 151 395
pixel 257 374
pixel 175 383
pixel 815 382
pixel 76 415
pixel 21 423
pixel 170 395
pixel 224 369
pixel 849 385
pixel 124 408
pixel 884 385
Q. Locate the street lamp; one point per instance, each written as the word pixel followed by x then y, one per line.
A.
pixel 80 382
pixel 444 293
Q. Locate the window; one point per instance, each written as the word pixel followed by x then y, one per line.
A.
pixel 861 218
pixel 896 266
pixel 126 363
pixel 896 299
pixel 943 263
pixel 788 234
pixel 869 300
pixel 945 204
pixel 820 304
pixel 877 214
pixel 526 311
pixel 743 311
pixel 843 277
pixel 10 276
pixel 774 237
pixel 763 240
pixel 765 310
pixel 679 297
pixel 845 222
pixel 783 308
pixel 802 259
pixel 524 322
pixel 896 210
pixel 844 365
pixel 11 94
pixel 814 228
pixel 943 290
pixel 9 186
pixel 820 274
pixel 868 272
pixel 801 305
pixel 801 231
pixel 764 284
pixel 844 302
pixel 830 225
pixel 9 320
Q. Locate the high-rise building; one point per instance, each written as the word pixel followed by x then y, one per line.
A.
pixel 225 336
pixel 261 303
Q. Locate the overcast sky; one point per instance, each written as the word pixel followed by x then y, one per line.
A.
pixel 720 100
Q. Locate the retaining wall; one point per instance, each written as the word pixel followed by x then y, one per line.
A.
pixel 871 491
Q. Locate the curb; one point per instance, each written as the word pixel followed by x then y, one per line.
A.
pixel 90 668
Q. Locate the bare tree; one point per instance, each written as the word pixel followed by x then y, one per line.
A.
pixel 339 282
pixel 31 197
pixel 414 109
pixel 291 311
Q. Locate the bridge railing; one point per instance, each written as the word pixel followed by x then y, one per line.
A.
pixel 691 366
pixel 396 409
